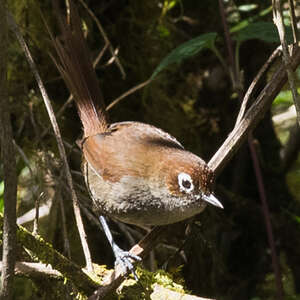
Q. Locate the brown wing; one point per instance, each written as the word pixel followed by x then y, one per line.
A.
pixel 129 148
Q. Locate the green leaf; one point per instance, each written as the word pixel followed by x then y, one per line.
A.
pixel 186 50
pixel 264 31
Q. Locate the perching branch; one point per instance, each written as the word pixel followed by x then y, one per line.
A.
pixel 252 117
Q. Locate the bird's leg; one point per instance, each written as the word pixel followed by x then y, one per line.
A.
pixel 123 258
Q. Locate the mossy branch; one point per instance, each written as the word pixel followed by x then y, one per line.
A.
pixel 45 253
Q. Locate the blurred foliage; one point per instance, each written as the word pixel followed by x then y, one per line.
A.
pixel 187 50
pixel 224 254
pixel 265 31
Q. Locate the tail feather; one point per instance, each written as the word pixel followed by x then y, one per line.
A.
pixel 75 66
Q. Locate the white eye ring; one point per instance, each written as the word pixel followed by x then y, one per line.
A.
pixel 185 182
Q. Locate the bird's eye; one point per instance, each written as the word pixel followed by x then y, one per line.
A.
pixel 185 182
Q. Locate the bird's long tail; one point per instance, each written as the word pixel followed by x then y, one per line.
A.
pixel 75 66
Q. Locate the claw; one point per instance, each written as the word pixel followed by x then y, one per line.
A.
pixel 125 260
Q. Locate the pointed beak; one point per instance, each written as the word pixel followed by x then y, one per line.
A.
pixel 212 200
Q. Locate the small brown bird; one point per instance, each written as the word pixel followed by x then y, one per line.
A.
pixel 135 172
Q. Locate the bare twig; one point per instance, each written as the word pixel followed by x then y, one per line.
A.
pixel 59 143
pixel 67 248
pixel 132 90
pixel 278 21
pixel 253 86
pixel 99 56
pixel 111 49
pixel 267 217
pixel 24 157
pixel 35 230
pixel 9 169
pixel 293 22
pixel 112 59
pixel 59 113
pixel 233 71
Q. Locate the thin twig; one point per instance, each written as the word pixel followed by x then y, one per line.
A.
pixel 132 90
pixel 111 49
pixel 58 115
pixel 293 22
pixel 99 56
pixel 232 71
pixel 112 59
pixel 36 198
pixel 267 218
pixel 24 157
pixel 59 143
pixel 278 21
pixel 35 230
pixel 67 248
pixel 9 169
pixel 253 86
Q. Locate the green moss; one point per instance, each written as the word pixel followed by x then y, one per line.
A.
pixel 142 289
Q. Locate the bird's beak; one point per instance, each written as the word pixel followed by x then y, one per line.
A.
pixel 212 200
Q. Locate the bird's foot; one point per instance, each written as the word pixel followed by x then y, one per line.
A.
pixel 125 259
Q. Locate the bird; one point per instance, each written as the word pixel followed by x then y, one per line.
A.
pixel 134 172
